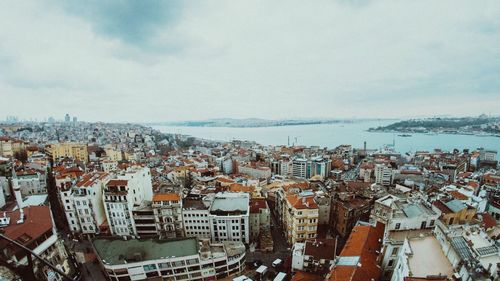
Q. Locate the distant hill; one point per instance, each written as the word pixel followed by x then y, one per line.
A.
pixel 255 122
pixel 463 125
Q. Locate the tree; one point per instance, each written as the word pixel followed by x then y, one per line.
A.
pixel 21 155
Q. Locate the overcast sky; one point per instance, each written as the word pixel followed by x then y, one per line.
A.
pixel 187 60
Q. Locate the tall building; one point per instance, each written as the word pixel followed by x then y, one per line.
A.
pixel 308 168
pixel 301 217
pixel 229 217
pixel 67 118
pixel 125 199
pixel 383 174
pixel 82 203
pixel 167 209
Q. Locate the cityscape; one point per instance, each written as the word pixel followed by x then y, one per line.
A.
pixel 109 201
pixel 233 140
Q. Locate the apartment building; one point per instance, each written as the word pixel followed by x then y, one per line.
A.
pixel 73 150
pixel 383 174
pixel 301 217
pixel 260 217
pixel 229 217
pixel 195 218
pixel 307 168
pixel 82 203
pixel 167 210
pixel 126 200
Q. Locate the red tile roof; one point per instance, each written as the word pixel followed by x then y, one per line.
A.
pixel 365 242
pixel 306 276
pixel 301 202
pixel 457 195
pixel 488 220
pixel 116 182
pixel 256 204
pixel 38 220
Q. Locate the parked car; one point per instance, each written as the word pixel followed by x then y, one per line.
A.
pixel 277 262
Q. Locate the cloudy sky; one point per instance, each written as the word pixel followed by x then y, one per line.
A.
pixel 165 60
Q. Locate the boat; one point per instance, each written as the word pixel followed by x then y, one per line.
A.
pixel 404 135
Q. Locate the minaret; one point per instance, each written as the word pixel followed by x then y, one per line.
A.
pixel 17 190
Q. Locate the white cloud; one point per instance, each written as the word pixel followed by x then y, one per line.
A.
pixel 255 59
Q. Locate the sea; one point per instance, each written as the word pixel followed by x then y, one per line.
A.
pixel 332 135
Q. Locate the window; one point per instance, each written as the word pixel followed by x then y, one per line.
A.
pixel 398 225
pixel 390 263
pixel 394 251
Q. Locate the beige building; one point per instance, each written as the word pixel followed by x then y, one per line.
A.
pixel 68 149
pixel 6 147
pixel 301 217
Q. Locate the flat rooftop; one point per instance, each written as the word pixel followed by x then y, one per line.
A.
pixel 428 258
pixel 231 203
pixel 117 251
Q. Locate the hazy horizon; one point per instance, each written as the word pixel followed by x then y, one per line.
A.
pixel 154 61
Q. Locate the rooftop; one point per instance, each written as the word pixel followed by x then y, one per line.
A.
pixel 230 203
pixel 427 258
pixel 117 251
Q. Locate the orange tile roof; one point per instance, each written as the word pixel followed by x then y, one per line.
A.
pixel 457 195
pixel 301 202
pixel 90 178
pixel 306 276
pixel 116 182
pixel 158 197
pixel 236 187
pixel 365 242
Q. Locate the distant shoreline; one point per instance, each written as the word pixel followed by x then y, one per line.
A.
pixel 236 123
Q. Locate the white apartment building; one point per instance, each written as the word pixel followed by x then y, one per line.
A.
pixel 130 188
pixel 30 182
pixel 383 174
pixel 255 172
pixel 402 218
pixel 229 217
pixel 82 203
pixel 195 218
pixel 315 166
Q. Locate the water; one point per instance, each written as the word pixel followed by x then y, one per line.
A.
pixel 332 135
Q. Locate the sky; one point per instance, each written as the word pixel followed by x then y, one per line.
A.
pixel 160 61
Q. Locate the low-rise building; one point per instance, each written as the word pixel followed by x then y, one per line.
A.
pixel 179 259
pixel 314 256
pixel 33 227
pixel 359 259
